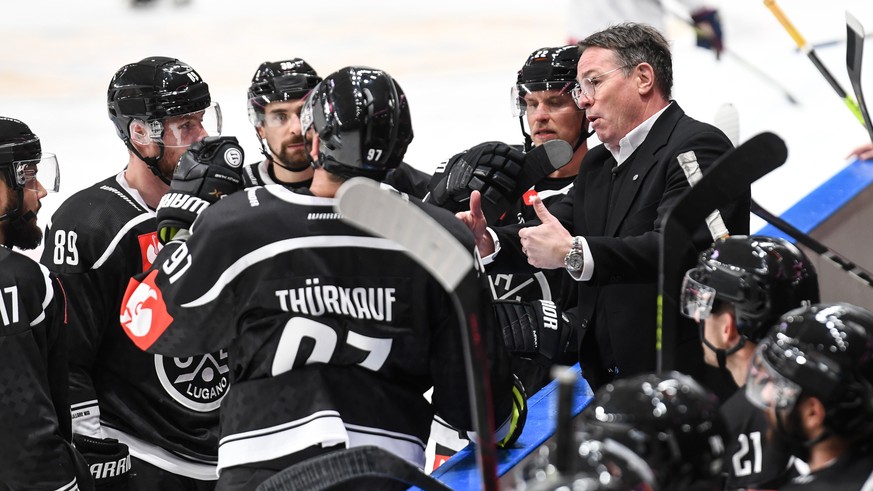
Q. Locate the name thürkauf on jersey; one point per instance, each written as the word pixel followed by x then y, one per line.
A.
pixel 375 303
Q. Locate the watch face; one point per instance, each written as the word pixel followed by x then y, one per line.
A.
pixel 573 261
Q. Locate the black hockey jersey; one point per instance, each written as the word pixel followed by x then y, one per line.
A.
pixel 852 471
pixel 259 174
pixel 35 452
pixel 335 335
pixel 165 409
pixel 752 461
pixel 404 178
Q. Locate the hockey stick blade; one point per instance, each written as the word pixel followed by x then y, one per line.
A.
pixel 854 58
pixel 726 180
pixel 848 266
pixel 538 163
pixel 346 467
pixel 454 267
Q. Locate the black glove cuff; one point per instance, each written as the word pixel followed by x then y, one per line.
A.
pixel 108 461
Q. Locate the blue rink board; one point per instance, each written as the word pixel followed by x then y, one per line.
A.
pixel 827 199
pixel 460 471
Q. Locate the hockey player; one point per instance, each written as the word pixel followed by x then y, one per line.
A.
pixel 165 409
pixel 811 375
pixel 275 98
pixel 669 420
pixel 546 111
pixel 336 334
pixel 36 450
pixel 738 290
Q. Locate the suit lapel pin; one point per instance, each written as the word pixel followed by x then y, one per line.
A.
pixel 636 176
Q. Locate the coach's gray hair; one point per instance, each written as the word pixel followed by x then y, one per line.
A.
pixel 633 44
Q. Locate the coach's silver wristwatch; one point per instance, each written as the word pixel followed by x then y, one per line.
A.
pixel 574 259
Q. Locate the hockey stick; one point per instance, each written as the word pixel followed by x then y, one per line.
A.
pixel 728 178
pixel 833 42
pixel 538 163
pixel 727 120
pixel 813 57
pixel 346 466
pixel 854 56
pixel 454 267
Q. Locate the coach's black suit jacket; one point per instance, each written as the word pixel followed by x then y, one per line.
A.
pixel 620 213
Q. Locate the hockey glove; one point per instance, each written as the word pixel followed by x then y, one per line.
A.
pixel 491 168
pixel 534 330
pixel 518 417
pixel 108 462
pixel 210 170
pixel 707 25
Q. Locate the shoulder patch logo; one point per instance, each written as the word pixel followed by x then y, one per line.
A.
pixel 528 196
pixel 197 382
pixel 149 246
pixel 145 315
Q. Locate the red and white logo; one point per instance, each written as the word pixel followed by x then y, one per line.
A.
pixel 149 246
pixel 144 316
pixel 528 196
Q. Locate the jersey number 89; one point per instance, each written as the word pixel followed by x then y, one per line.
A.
pixel 65 251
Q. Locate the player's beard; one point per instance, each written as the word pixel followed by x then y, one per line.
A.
pixel 21 233
pixel 294 160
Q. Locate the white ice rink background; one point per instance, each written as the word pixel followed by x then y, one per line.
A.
pixel 455 59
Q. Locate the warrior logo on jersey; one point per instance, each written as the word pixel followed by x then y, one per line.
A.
pixel 196 382
pixel 149 246
pixel 145 315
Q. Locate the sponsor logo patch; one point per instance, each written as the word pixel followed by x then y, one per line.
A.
pixel 149 247
pixel 145 315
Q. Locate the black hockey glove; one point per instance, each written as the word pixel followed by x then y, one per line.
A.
pixel 108 462
pixel 491 168
pixel 210 170
pixel 535 330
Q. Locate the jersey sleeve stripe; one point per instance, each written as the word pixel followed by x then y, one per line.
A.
pixel 283 246
pixel 120 235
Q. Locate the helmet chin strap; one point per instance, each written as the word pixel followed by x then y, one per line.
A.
pixel 797 445
pixel 720 354
pixel 151 162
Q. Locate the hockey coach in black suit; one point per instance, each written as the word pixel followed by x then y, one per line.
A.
pixel 606 232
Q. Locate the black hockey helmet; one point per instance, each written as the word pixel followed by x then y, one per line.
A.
pixel 763 277
pixel 21 157
pixel 362 120
pixel 669 420
pixel 825 351
pixel 547 69
pixel 279 81
pixel 154 89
